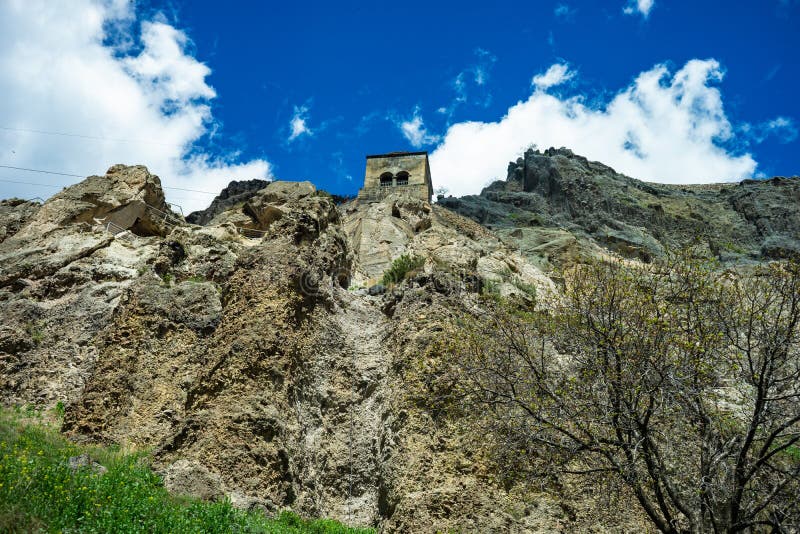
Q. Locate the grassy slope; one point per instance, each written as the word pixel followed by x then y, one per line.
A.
pixel 39 492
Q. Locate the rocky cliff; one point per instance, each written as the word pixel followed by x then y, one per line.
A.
pixel 559 207
pixel 248 355
pixel 259 358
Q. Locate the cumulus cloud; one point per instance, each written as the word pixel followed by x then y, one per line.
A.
pixel 642 7
pixel 415 132
pixel 556 75
pixel 298 125
pixel 86 84
pixel 663 127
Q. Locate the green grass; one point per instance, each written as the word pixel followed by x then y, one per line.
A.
pixel 40 493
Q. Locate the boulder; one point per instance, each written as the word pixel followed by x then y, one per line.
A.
pixel 127 197
pixel 191 478
pixel 377 289
pixel 84 461
pixel 236 192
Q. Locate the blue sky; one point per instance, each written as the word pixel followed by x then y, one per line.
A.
pixel 663 90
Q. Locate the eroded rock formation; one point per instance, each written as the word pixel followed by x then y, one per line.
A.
pixel 558 208
pixel 256 366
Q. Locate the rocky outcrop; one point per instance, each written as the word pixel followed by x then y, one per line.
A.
pixel 266 206
pixel 235 193
pixel 257 366
pixel 14 214
pixel 63 274
pixel 128 197
pixel 558 207
pixel 380 232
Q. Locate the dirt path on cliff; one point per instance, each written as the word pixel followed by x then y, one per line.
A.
pixel 364 328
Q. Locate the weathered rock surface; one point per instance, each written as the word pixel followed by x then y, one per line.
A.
pixel 236 193
pixel 265 206
pixel 252 366
pixel 14 214
pixel 382 231
pixel 559 207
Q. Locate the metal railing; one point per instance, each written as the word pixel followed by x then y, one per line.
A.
pixel 173 206
pixel 167 218
pixel 114 228
pixel 171 220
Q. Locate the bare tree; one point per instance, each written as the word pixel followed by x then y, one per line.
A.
pixel 677 380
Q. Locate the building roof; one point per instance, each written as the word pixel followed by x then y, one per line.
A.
pixel 395 154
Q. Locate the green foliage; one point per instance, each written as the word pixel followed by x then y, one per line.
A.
pixel 58 410
pixel 400 268
pixel 167 279
pixel 197 279
pixel 673 375
pixel 36 331
pixel 40 492
pixel 491 288
pixel 528 289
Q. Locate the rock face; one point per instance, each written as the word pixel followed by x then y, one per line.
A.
pixel 379 232
pixel 257 366
pixel 129 197
pixel 237 192
pixel 14 214
pixel 559 207
pixel 265 206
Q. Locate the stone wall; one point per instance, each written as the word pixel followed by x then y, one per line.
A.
pixel 393 167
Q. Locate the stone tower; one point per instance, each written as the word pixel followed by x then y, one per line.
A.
pixel 404 173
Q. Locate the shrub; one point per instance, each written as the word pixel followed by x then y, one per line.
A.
pixel 400 268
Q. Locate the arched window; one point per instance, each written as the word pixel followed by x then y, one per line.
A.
pixel 386 179
pixel 402 178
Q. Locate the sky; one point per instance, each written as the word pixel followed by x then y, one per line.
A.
pixel 206 92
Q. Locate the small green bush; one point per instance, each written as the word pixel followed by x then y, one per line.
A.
pixel 35 330
pixel 400 268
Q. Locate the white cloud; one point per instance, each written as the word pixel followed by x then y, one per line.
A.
pixel 563 11
pixel 555 75
pixel 79 68
pixel 477 76
pixel 663 127
pixel 642 7
pixel 415 132
pixel 783 128
pixel 298 125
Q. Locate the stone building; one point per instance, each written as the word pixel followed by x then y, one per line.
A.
pixel 405 173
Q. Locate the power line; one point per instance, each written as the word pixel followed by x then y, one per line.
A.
pixel 31 183
pixel 41 171
pixel 82 136
pixel 190 190
pixel 80 176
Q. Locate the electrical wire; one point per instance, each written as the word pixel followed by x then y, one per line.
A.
pixel 82 136
pixel 79 176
